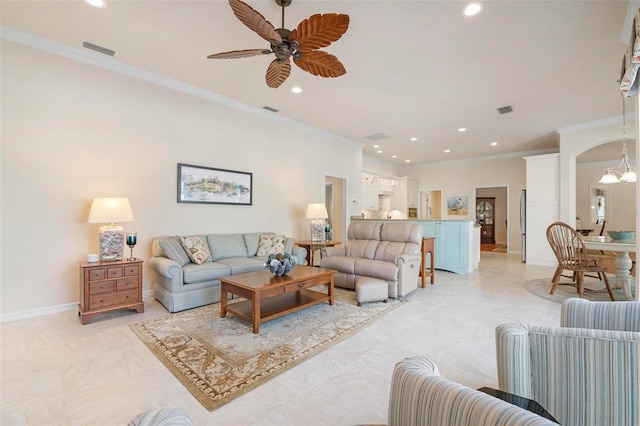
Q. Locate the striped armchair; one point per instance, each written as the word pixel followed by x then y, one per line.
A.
pixel 582 376
pixel 420 397
pixel 581 313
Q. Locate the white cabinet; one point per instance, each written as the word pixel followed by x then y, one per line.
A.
pixel 399 196
pixel 412 193
pixel 370 199
pixel 542 206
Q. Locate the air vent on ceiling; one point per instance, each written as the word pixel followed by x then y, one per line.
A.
pixel 376 136
pixel 97 48
pixel 268 108
pixel 505 109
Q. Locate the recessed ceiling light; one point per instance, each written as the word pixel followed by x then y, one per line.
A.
pixel 379 151
pixel 97 3
pixel 447 150
pixel 407 161
pixel 376 146
pixel 462 129
pixel 472 9
pixel 494 143
pixel 413 139
pixel 296 89
pixel 394 156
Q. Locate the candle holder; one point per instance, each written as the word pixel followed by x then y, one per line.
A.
pixel 132 239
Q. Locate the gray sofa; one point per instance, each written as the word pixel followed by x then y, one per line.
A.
pixel 180 284
pixel 387 251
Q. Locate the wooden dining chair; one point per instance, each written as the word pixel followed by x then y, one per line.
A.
pixel 571 253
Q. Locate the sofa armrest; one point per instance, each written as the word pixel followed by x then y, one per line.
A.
pixel 513 359
pixel 419 396
pixel 300 253
pixel 333 251
pixel 408 273
pixel 168 273
pixel 581 313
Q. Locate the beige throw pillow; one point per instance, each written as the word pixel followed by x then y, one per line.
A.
pixel 271 244
pixel 196 249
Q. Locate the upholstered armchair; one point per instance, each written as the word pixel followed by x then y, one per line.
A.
pixel 581 376
pixel 420 397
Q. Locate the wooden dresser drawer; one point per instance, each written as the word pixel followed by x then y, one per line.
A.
pixel 131 270
pixel 114 272
pixel 101 286
pixel 126 297
pixel 102 300
pixel 130 283
pixel 97 274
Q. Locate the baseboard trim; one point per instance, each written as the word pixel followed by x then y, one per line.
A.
pixel 50 310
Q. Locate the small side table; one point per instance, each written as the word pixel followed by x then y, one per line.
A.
pixel 109 286
pixel 312 246
pixel 428 246
pixel 520 401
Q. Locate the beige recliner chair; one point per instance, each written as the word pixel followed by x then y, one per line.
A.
pixel 387 251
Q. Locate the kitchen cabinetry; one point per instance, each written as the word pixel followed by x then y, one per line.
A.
pixel 399 196
pixel 370 199
pixel 454 245
pixel 412 193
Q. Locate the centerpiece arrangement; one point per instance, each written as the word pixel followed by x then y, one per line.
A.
pixel 280 264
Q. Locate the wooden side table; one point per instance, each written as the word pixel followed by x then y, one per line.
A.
pixel 312 246
pixel 428 246
pixel 109 286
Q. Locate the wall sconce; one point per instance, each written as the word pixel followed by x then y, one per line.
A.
pixel 110 211
pixel 317 212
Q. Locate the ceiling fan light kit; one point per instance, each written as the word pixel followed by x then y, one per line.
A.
pixel 303 43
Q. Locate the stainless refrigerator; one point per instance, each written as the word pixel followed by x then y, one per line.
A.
pixel 523 225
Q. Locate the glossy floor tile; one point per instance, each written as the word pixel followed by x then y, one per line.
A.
pixel 58 372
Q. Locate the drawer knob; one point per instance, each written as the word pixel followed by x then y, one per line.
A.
pixel 300 285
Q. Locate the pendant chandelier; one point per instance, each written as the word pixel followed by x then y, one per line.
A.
pixel 628 173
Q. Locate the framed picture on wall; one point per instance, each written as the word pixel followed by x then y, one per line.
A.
pixel 207 185
pixel 457 205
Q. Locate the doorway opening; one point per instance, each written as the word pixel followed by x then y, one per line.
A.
pixel 491 213
pixel 430 207
pixel 335 201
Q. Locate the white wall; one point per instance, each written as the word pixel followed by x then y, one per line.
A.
pixel 463 177
pixel 72 131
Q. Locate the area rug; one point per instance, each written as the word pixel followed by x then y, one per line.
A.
pixel 594 290
pixel 218 359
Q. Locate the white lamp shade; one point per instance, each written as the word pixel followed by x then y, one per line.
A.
pixel 609 177
pixel 316 211
pixel 110 210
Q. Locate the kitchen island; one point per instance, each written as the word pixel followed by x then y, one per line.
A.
pixel 457 244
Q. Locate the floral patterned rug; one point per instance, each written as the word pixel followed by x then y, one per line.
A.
pixel 218 359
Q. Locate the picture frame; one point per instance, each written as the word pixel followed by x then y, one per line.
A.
pixel 457 205
pixel 209 185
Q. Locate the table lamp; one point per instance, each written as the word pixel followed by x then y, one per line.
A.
pixel 110 211
pixel 317 212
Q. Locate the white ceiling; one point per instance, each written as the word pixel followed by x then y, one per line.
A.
pixel 414 68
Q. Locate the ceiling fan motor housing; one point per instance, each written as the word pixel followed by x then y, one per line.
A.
pixel 287 48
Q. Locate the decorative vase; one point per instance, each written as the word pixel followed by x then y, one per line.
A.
pixel 280 264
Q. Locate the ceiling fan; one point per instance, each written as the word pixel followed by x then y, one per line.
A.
pixel 302 43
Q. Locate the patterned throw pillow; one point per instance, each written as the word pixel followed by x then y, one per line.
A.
pixel 196 249
pixel 271 244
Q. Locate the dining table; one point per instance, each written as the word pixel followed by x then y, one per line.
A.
pixel 624 279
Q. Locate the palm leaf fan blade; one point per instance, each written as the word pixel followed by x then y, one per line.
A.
pixel 255 21
pixel 277 73
pixel 321 64
pixel 234 54
pixel 320 31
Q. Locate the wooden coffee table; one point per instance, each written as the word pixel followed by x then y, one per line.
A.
pixel 269 296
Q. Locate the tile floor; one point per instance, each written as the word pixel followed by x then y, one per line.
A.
pixel 57 372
